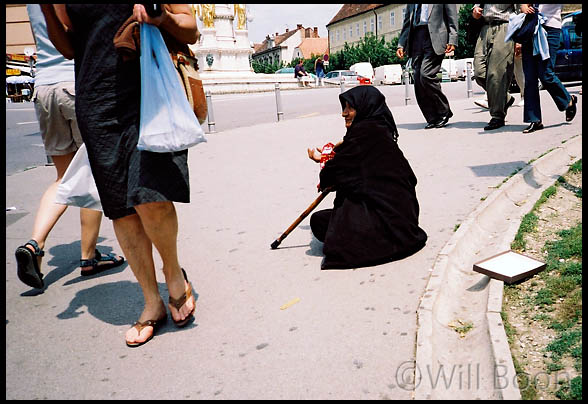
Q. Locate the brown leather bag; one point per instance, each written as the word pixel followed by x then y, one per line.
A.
pixel 127 42
pixel 187 68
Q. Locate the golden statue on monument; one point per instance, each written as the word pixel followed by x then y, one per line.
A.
pixel 206 14
pixel 241 14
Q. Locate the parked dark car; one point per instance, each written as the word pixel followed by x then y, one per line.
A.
pixel 568 63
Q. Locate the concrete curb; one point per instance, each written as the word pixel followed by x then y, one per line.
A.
pixel 489 229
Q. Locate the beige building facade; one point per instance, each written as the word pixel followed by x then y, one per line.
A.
pixel 355 21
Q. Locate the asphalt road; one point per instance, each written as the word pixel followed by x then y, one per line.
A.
pixel 24 146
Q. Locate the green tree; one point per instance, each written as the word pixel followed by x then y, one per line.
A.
pixel 266 67
pixel 466 44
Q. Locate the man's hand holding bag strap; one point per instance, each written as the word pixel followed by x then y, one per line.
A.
pixel 127 43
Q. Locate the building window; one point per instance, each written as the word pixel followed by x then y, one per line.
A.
pixel 337 35
pixel 357 29
pixel 372 26
pixel 364 27
pixel 403 12
pixel 392 19
pixel 350 31
pixel 344 34
pixel 380 23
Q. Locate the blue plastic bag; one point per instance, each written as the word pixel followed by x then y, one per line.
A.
pixel 167 122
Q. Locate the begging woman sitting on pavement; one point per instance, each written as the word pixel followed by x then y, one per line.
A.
pixel 375 214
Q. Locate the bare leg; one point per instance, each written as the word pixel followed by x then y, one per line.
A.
pixel 49 212
pixel 160 222
pixel 137 248
pixel 90 227
pixel 90 221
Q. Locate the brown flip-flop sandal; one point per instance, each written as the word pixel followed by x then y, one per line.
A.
pixel 139 325
pixel 178 303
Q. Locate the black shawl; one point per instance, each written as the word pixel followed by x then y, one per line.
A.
pixel 375 214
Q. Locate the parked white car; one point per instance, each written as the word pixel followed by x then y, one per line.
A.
pixel 363 69
pixel 336 76
pixel 388 74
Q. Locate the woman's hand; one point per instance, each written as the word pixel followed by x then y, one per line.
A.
pixel 314 155
pixel 477 12
pixel 141 15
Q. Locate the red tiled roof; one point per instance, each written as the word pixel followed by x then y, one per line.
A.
pixel 313 46
pixel 350 10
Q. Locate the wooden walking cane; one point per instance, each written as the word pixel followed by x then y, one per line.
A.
pixel 313 205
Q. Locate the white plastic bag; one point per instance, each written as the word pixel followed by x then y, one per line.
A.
pixel 77 187
pixel 167 122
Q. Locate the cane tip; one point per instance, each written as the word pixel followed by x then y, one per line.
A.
pixel 275 244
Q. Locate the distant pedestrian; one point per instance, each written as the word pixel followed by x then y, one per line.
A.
pixel 137 188
pixel 429 32
pixel 374 218
pixel 541 67
pixel 54 100
pixel 301 75
pixel 494 60
pixel 319 68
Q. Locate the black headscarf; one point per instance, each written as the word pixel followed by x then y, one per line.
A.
pixel 371 107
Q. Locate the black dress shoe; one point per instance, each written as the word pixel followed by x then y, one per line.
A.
pixel 444 120
pixel 494 124
pixel 533 127
pixel 571 110
pixel 432 125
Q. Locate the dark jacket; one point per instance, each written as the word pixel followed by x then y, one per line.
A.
pixel 299 71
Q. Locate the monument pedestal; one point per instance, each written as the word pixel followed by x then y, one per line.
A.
pixel 224 53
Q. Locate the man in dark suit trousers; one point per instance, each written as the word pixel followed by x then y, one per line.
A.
pixel 429 31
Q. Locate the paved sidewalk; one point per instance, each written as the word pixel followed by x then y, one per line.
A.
pixel 351 335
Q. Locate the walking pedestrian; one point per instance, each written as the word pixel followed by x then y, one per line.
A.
pixel 494 60
pixel 374 218
pixel 541 67
pixel 429 32
pixel 137 188
pixel 319 68
pixel 54 100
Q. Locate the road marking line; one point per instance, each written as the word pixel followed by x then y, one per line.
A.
pixel 308 115
pixel 26 123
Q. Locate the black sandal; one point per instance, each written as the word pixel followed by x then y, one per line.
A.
pixel 28 270
pixel 96 268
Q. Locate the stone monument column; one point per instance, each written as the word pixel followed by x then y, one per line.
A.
pixel 223 48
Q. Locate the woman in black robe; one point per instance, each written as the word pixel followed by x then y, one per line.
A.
pixel 375 214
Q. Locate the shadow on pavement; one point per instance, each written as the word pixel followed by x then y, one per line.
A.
pixel 65 260
pixel 497 170
pixel 117 303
